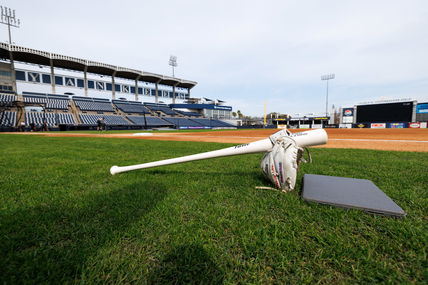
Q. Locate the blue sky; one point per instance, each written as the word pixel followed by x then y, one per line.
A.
pixel 247 52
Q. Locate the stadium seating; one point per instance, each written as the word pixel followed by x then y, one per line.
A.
pixel 163 109
pixel 212 123
pixel 38 118
pixel 188 114
pixel 58 104
pixel 6 99
pixel 98 106
pixel 35 99
pixel 110 120
pixel 7 119
pixel 88 104
pixel 51 101
pixel 52 119
pixel 131 107
pixel 150 121
pixel 65 119
pixel 183 123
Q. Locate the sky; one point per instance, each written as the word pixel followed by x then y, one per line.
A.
pixel 248 53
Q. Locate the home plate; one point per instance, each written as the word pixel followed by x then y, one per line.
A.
pixel 143 134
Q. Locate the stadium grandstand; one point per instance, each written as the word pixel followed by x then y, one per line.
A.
pixel 39 88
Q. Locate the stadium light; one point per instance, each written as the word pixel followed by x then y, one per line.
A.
pixel 327 77
pixel 8 17
pixel 173 63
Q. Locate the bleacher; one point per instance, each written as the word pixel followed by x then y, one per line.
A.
pixel 131 107
pixel 51 101
pixel 212 123
pixel 161 108
pixel 149 121
pixel 188 114
pixel 7 119
pixel 6 99
pixel 93 104
pixel 51 119
pixel 65 119
pixel 110 120
pixel 181 123
pixel 89 110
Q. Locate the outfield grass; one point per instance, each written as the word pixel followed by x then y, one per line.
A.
pixel 150 131
pixel 65 219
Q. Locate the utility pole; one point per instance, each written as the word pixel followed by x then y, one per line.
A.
pixel 327 78
pixel 8 17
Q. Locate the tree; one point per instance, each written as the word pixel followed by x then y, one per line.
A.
pixel 234 114
pixel 240 115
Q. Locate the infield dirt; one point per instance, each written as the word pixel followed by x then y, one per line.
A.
pixel 379 139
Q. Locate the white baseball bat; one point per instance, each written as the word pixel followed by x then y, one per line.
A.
pixel 303 139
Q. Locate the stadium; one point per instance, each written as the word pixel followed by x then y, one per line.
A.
pixel 67 93
pixel 67 122
pixel 113 93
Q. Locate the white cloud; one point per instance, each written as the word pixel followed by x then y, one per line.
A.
pixel 246 52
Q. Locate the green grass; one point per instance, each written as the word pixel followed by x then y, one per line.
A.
pixel 152 131
pixel 65 219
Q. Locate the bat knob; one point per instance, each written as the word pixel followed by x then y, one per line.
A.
pixel 114 170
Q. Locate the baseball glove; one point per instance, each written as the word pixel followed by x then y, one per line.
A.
pixel 280 165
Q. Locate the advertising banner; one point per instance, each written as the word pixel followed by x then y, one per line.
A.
pixel 396 125
pixel 347 120
pixel 422 108
pixel 348 112
pixel 378 126
pixel 361 125
pixel 414 125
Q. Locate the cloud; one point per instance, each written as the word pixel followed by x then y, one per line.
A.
pixel 247 52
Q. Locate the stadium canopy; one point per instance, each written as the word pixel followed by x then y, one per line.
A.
pixel 28 55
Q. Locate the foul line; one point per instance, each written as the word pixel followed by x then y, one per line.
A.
pixel 375 140
pixel 364 140
pixel 255 138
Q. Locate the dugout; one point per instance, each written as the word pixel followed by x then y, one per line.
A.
pixel 311 122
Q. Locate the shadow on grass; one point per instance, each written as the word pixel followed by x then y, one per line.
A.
pixel 187 264
pixel 50 243
pixel 201 172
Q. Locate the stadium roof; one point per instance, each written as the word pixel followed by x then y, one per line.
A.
pixel 62 61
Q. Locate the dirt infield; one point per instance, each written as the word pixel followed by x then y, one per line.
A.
pixel 380 139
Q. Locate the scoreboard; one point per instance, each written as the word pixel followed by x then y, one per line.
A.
pixel 385 113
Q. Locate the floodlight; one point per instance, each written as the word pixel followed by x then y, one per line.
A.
pixel 173 63
pixel 8 17
pixel 327 77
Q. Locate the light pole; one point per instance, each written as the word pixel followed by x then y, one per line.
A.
pixel 327 77
pixel 173 63
pixel 8 18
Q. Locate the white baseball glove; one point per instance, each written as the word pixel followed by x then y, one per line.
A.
pixel 280 165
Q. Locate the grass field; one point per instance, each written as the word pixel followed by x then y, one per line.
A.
pixel 65 219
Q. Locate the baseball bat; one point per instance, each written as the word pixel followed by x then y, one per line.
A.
pixel 302 139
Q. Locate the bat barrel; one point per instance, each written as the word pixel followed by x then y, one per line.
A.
pixel 310 138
